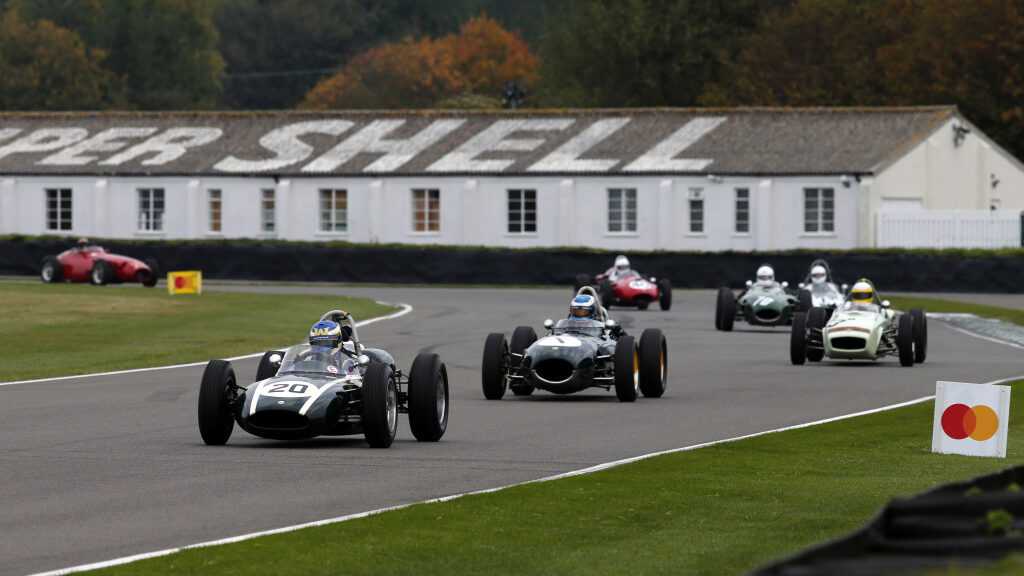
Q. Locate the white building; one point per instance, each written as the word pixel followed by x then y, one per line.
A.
pixel 640 179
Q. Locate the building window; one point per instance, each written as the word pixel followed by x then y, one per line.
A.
pixel 742 210
pixel 522 211
pixel 334 211
pixel 214 201
pixel 58 209
pixel 696 204
pixel 426 210
pixel 622 210
pixel 819 210
pixel 267 210
pixel 151 209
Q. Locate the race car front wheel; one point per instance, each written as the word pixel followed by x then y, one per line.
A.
pixel 920 335
pixel 428 398
pixel 653 363
pixel 725 310
pixel 798 339
pixel 665 293
pixel 154 273
pixel 606 293
pixel 626 374
pixel 266 368
pixel 380 405
pixel 494 372
pixel 215 396
pixel 102 273
pixel 52 270
pixel 905 339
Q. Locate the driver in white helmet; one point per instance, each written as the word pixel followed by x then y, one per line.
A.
pixel 818 274
pixel 620 268
pixel 765 276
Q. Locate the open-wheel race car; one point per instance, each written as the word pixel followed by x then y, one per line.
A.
pixel 819 288
pixel 763 303
pixel 623 286
pixel 585 350
pixel 863 327
pixel 331 386
pixel 87 262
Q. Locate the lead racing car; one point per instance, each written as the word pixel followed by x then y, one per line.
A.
pixel 332 386
pixel 863 327
pixel 585 350
pixel 764 303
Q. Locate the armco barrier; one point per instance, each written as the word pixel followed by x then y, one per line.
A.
pixel 965 523
pixel 437 265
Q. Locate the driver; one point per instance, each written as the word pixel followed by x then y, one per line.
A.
pixel 766 276
pixel 862 295
pixel 583 311
pixel 620 268
pixel 818 274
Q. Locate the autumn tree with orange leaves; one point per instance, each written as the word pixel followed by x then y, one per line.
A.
pixel 422 73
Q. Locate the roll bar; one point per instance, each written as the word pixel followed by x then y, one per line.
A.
pixel 590 291
pixel 338 316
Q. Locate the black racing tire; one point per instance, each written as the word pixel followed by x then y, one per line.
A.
pixel 380 405
pixel 522 338
pixel 806 300
pixel 102 273
pixel 494 372
pixel 653 363
pixel 625 362
pixel 580 281
pixel 606 293
pixel 216 394
pixel 428 398
pixel 905 339
pixel 817 317
pixel 266 369
pixel 665 293
pixel 798 339
pixel 920 335
pixel 725 310
pixel 155 270
pixel 51 270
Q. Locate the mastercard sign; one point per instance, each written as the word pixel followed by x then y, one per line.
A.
pixel 185 282
pixel 971 419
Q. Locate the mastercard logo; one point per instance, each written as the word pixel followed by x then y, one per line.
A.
pixel 961 421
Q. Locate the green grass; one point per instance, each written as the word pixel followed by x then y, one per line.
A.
pixel 63 329
pixel 1010 315
pixel 719 510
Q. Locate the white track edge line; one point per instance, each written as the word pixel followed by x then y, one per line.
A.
pixel 405 310
pixel 580 472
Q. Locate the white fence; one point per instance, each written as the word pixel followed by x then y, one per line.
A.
pixel 949 229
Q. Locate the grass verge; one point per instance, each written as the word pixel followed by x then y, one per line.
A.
pixel 1010 315
pixel 51 330
pixel 719 510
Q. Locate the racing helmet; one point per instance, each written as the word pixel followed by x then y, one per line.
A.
pixel 818 274
pixel 325 333
pixel 621 264
pixel 765 275
pixel 583 307
pixel 862 292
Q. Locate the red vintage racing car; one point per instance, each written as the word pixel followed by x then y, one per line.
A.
pixel 87 262
pixel 620 285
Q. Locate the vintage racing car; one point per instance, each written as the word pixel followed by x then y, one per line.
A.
pixel 87 262
pixel 764 303
pixel 623 286
pixel 819 288
pixel 303 392
pixel 863 327
pixel 576 354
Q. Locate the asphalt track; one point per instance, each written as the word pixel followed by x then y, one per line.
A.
pixel 103 467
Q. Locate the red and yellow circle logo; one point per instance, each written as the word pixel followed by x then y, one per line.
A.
pixel 979 422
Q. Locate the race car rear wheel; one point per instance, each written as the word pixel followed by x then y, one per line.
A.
pixel 268 369
pixel 653 363
pixel 725 310
pixel 522 338
pixel 606 293
pixel 51 270
pixel 380 405
pixel 581 281
pixel 216 393
pixel 102 273
pixel 798 339
pixel 494 372
pixel 905 339
pixel 155 273
pixel 806 300
pixel 816 320
pixel 428 398
pixel 665 293
pixel 626 373
pixel 920 335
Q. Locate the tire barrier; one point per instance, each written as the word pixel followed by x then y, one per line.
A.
pixel 307 262
pixel 968 524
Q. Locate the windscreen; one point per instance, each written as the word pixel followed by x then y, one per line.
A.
pixel 306 359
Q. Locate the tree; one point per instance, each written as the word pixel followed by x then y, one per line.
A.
pixel 421 73
pixel 45 67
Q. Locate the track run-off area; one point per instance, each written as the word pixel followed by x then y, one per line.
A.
pixel 111 466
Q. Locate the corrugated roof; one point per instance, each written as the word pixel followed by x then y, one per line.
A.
pixel 757 141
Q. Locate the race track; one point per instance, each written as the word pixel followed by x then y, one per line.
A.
pixel 103 467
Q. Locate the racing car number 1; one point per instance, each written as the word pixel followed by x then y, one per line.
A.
pixel 567 341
